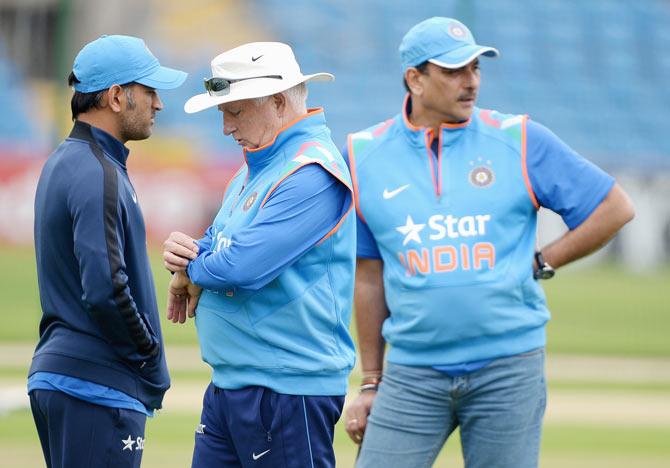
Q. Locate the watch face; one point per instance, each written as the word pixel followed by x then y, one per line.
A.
pixel 546 274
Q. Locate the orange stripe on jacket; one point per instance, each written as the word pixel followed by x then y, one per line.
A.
pixel 351 205
pixel 310 112
pixel 354 178
pixel 524 167
pixel 405 117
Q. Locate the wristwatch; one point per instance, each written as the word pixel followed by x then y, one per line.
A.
pixel 544 271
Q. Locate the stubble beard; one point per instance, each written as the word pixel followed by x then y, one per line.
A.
pixel 134 126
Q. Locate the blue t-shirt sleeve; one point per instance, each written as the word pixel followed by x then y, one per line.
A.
pixel 562 180
pixel 366 246
pixel 300 212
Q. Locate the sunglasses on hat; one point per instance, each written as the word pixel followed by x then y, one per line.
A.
pixel 221 86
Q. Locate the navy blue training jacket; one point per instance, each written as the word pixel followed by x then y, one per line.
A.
pixel 100 319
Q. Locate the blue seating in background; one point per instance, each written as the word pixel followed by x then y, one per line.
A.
pixel 595 72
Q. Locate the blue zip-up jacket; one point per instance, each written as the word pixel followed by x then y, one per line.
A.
pixel 291 333
pixel 100 319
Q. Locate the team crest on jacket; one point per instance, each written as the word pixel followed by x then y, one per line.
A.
pixel 250 201
pixel 481 176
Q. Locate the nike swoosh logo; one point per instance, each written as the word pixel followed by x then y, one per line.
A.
pixel 256 457
pixel 253 59
pixel 392 193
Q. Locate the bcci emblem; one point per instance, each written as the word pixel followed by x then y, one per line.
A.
pixel 250 201
pixel 457 31
pixel 481 176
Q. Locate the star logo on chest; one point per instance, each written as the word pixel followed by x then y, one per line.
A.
pixel 410 231
pixel 128 443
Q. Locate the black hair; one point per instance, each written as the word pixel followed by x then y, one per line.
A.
pixel 84 102
pixel 421 68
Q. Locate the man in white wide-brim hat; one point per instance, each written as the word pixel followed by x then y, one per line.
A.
pixel 276 268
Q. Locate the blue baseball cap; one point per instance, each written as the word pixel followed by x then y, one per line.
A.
pixel 446 42
pixel 111 60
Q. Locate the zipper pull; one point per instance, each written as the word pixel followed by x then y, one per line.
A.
pixel 232 206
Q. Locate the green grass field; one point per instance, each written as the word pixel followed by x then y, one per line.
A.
pixel 601 312
pixel 594 311
pixel 169 443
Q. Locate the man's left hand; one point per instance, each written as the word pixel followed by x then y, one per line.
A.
pixel 183 298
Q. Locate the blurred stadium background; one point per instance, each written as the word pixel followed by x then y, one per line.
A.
pixel 594 71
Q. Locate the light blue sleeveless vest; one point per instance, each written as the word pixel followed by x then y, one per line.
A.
pixel 457 240
pixel 293 334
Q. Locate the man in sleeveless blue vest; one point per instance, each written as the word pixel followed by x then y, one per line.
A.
pixel 99 367
pixel 447 272
pixel 277 272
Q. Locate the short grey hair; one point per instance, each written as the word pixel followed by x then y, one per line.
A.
pixel 296 96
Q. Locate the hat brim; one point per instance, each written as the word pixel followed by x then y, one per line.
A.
pixel 463 55
pixel 250 89
pixel 163 78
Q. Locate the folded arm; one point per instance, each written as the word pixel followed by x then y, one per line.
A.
pixel 301 211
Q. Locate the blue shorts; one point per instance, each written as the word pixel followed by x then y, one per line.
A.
pixel 257 427
pixel 75 433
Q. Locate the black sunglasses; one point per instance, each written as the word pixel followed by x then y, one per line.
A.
pixel 221 86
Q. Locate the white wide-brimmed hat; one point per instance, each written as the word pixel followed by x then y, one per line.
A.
pixel 250 71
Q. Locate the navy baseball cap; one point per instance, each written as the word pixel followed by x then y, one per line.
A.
pixel 111 60
pixel 446 42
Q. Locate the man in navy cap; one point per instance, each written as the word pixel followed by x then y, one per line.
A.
pixel 99 367
pixel 448 269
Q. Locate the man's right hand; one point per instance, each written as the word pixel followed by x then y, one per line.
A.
pixel 370 313
pixel 356 415
pixel 178 250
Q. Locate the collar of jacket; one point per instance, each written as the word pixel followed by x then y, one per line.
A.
pixel 423 136
pixel 109 145
pixel 312 123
